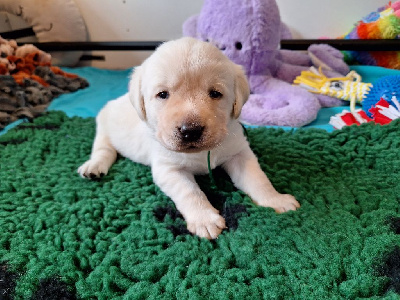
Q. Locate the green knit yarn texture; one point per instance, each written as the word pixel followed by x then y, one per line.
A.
pixel 104 239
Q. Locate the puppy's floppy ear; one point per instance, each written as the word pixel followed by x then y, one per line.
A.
pixel 135 92
pixel 242 91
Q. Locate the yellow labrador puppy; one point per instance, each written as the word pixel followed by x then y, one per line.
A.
pixel 184 101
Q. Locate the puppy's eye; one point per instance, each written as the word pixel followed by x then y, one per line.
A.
pixel 238 46
pixel 163 95
pixel 215 94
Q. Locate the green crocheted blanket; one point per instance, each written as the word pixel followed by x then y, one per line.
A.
pixel 62 237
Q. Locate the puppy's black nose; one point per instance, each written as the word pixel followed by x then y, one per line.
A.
pixel 190 132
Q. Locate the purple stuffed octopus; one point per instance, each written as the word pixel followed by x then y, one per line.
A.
pixel 249 33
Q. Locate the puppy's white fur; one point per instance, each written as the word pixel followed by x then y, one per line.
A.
pixel 186 99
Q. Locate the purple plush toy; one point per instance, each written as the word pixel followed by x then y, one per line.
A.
pixel 249 33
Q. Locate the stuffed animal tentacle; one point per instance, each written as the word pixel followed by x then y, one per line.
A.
pixel 272 100
pixel 294 57
pixel 288 72
pixel 328 101
pixel 328 57
pixel 317 55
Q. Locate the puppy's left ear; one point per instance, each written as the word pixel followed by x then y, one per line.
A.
pixel 242 91
pixel 135 93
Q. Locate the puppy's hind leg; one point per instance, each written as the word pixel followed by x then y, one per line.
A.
pixel 102 157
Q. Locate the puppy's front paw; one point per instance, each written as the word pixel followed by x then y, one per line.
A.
pixel 93 169
pixel 281 203
pixel 208 224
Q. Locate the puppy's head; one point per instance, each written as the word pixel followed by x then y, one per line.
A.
pixel 188 92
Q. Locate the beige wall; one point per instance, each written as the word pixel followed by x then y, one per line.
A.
pixel 331 18
pixel 134 20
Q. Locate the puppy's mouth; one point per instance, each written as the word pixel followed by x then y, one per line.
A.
pixel 191 148
pixel 191 137
pixel 183 147
pixel 178 144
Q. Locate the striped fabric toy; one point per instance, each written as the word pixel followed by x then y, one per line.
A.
pixel 383 112
pixel 348 88
pixel 379 100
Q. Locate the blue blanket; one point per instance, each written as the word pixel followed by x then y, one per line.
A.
pixel 106 85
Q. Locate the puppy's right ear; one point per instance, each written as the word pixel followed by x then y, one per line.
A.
pixel 135 93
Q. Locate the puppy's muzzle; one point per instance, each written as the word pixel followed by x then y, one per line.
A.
pixel 190 133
